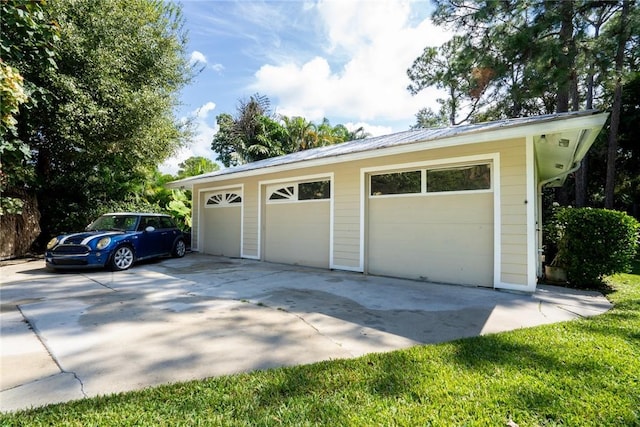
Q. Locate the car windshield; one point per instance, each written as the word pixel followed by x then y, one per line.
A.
pixel 114 222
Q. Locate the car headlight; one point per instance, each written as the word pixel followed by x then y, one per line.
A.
pixel 103 243
pixel 52 243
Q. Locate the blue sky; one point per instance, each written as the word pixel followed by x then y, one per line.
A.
pixel 341 59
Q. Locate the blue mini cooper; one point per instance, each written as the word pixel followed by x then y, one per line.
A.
pixel 117 240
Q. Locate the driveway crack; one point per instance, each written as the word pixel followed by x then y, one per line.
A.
pixel 101 284
pixel 50 353
pixel 303 320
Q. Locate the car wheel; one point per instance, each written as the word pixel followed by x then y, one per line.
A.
pixel 122 258
pixel 179 249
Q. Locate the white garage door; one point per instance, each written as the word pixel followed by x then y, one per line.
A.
pixel 432 224
pixel 222 223
pixel 297 223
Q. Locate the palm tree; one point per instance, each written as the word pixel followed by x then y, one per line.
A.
pixel 301 134
pixel 326 134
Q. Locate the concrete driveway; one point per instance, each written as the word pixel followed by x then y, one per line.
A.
pixel 67 336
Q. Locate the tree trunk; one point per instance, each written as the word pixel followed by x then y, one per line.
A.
pixel 582 175
pixel 566 58
pixel 581 183
pixel 612 150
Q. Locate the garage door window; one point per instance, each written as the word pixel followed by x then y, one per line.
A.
pixel 224 199
pixel 396 183
pixel 436 180
pixel 313 190
pixel 477 177
pixel 316 190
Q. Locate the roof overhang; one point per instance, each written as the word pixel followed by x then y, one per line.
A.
pixel 560 142
pixel 559 151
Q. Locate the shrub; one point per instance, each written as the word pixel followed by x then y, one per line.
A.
pixel 593 243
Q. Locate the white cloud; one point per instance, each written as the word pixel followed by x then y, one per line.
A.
pixel 380 43
pixel 372 130
pixel 218 68
pixel 201 143
pixel 202 112
pixel 197 57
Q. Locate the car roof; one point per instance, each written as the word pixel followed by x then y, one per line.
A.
pixel 136 213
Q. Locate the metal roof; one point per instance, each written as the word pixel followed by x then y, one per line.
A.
pixel 380 142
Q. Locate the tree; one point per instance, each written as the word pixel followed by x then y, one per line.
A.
pixel 301 133
pixel 427 118
pixel 108 115
pixel 255 133
pixel 612 152
pixel 196 165
pixel 520 58
pixel 227 142
pixel 628 167
pixel 449 68
pixel 28 38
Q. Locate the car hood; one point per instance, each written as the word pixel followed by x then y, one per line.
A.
pixel 85 237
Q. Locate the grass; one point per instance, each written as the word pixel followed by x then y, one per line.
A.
pixel 580 373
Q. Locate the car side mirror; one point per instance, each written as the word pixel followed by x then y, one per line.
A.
pixel 149 229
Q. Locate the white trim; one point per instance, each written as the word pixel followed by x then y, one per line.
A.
pixel 492 158
pixel 223 203
pixel 240 205
pixel 295 180
pixel 195 206
pixel 532 249
pixel 497 221
pixel 364 190
pixel 331 219
pixel 423 180
pixel 431 194
pixel 271 188
pixel 258 255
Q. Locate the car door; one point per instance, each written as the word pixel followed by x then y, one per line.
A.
pixel 169 233
pixel 150 241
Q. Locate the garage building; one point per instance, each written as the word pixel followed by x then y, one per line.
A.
pixel 451 205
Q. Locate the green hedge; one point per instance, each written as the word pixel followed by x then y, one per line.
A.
pixel 593 243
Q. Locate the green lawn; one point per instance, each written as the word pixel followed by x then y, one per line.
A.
pixel 579 373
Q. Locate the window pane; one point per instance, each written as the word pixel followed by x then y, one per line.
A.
pixel 477 177
pixel 314 190
pixel 233 198
pixel 215 199
pixel 396 183
pixel 284 193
